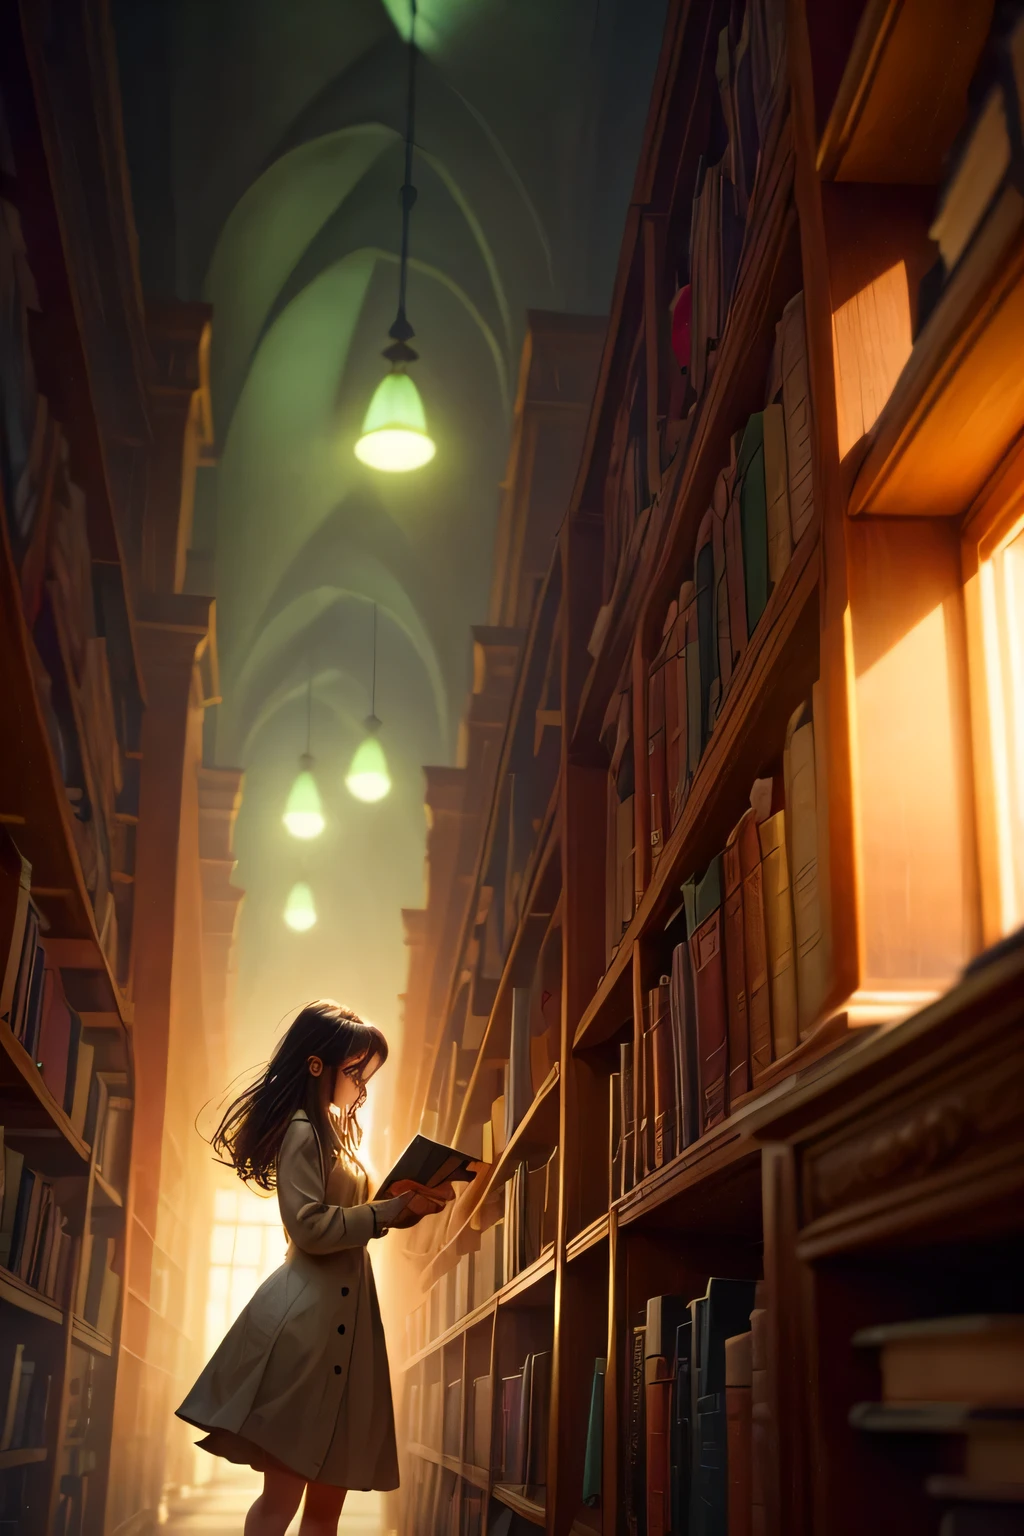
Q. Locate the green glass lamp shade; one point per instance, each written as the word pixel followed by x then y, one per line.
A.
pixel 303 814
pixel 300 908
pixel 395 437
pixel 368 778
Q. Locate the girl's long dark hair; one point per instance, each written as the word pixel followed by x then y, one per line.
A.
pixel 249 1136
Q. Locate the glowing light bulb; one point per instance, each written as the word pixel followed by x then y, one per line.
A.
pixel 303 814
pixel 394 437
pixel 300 908
pixel 368 778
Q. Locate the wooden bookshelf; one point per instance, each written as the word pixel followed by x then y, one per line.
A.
pixel 85 920
pixel 882 1145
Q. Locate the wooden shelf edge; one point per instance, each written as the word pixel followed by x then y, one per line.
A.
pixel 27 1456
pixel 590 1237
pixel 513 1496
pixel 111 1196
pixel 90 1338
pixel 16 1293
pixel 785 606
pixel 32 1078
pixel 479 1314
pixel 527 1278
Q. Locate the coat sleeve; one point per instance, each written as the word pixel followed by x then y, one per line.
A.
pixel 310 1222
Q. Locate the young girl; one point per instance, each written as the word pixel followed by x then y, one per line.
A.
pixel 299 1388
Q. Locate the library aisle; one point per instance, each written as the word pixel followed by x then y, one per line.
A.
pixel 219 1509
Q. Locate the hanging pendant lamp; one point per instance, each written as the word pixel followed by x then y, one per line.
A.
pixel 368 778
pixel 394 436
pixel 303 812
pixel 300 908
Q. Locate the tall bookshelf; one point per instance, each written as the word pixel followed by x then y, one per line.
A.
pixel 866 1167
pixel 107 814
pixel 71 703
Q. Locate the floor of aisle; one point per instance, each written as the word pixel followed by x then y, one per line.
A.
pixel 218 1509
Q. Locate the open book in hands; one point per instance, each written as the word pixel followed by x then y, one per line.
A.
pixel 429 1164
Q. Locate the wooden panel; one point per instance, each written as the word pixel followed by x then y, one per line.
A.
pixel 903 94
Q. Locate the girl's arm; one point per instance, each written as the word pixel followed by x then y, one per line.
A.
pixel 310 1222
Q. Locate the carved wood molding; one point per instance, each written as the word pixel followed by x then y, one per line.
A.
pixel 952 1126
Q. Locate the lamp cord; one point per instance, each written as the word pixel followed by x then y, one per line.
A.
pixel 373 669
pixel 401 330
pixel 309 708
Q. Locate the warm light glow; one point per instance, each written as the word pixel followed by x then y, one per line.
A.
pixel 303 814
pixel 368 778
pixel 300 908
pixel 872 338
pixel 395 437
pixel 1002 613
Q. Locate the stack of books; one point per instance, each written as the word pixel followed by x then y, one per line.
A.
pixel 959 1378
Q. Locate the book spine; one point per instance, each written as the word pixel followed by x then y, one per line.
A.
pixel 635 1442
pixel 735 972
pixel 755 946
pixel 710 1011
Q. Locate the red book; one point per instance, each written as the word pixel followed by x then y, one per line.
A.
pixel 735 971
pixel 54 1035
pixel 704 926
pixel 755 948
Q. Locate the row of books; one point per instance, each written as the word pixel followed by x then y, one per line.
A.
pixel 35 1243
pixel 761 507
pixel 521 1432
pixel 749 65
pixel 34 1005
pixel 955 1378
pixel 48 527
pixel 697 1414
pixel 25 1401
pixel 748 982
pixel 460 1290
pixel 523 1429
pixel 531 1213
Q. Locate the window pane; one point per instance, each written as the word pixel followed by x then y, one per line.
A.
pixel 225 1205
pixel 222 1245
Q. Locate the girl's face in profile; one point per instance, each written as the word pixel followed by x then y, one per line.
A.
pixel 349 1082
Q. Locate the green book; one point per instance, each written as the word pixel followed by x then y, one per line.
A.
pixel 753 518
pixel 593 1461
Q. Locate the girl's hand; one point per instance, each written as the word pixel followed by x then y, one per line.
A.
pixel 390 1212
pixel 423 1201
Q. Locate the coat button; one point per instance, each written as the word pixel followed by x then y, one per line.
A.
pixel 341 1327
pixel 344 1290
pixel 337 1370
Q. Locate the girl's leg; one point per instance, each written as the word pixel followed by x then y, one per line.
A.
pixel 273 1510
pixel 322 1510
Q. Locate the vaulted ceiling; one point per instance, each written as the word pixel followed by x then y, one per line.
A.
pixel 265 145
